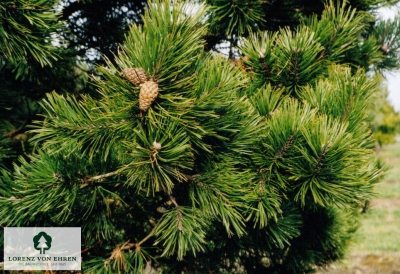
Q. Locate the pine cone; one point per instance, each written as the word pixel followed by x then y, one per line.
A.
pixel 135 75
pixel 148 93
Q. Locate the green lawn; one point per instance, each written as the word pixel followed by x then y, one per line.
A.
pixel 379 232
pixel 389 190
pixel 391 156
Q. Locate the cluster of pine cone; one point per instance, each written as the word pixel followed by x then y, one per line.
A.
pixel 148 88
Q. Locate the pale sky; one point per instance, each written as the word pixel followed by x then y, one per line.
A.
pixel 393 78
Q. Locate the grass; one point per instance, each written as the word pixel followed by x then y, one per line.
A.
pixel 391 156
pixel 388 190
pixel 379 232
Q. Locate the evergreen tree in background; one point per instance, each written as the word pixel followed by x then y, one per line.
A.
pixel 385 122
pixel 186 161
pixel 98 26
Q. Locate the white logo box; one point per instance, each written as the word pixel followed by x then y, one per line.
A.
pixel 42 248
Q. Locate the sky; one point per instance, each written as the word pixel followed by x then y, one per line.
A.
pixel 393 81
pixel 393 78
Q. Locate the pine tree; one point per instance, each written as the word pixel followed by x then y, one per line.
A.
pixel 186 161
pixel 384 122
pixel 96 27
pixel 377 48
pixel 30 66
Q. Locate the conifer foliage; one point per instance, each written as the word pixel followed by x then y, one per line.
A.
pixel 189 162
pixel 25 27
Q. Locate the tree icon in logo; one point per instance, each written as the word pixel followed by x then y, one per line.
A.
pixel 42 242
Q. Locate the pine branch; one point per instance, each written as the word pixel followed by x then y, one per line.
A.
pixel 348 105
pixel 102 176
pixel 287 145
pixel 321 158
pixel 144 239
pixel 117 252
pixel 15 132
pixel 92 246
pixel 264 66
pixel 324 53
pixel 128 245
pixel 191 177
pixel 117 255
pixel 179 212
